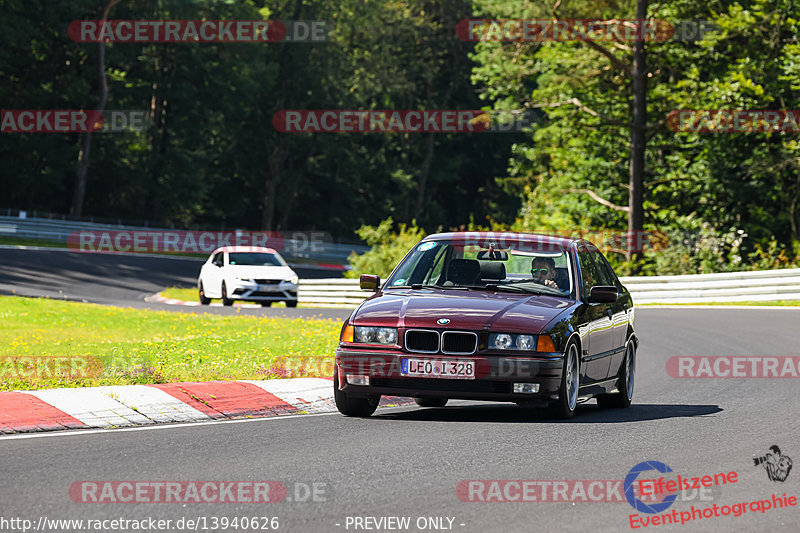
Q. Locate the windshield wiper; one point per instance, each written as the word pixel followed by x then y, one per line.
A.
pixel 500 288
pixel 417 286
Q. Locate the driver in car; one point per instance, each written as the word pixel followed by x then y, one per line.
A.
pixel 543 270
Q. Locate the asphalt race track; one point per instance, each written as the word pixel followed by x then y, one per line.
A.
pixel 407 462
pixel 120 279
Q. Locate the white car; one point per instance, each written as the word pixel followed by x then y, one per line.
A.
pixel 248 273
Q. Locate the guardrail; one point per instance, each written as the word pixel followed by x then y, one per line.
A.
pixel 56 230
pixel 764 285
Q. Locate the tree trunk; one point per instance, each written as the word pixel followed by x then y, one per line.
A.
pixel 79 194
pixel 423 178
pixel 638 143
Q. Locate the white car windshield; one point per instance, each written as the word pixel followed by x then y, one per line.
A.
pixel 255 259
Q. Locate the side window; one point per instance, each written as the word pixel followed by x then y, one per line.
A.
pixel 218 259
pixel 588 271
pixel 605 271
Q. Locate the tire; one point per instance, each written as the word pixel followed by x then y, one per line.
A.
pixel 564 407
pixel 348 406
pixel 266 304
pixel 203 299
pixel 431 402
pixel 291 303
pixel 225 300
pixel 627 375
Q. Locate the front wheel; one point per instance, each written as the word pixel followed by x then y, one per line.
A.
pixel 203 299
pixel 624 384
pixel 225 300
pixel 564 407
pixel 291 303
pixel 349 406
pixel 431 402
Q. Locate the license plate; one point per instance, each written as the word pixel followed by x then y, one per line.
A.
pixel 438 368
pixel 266 288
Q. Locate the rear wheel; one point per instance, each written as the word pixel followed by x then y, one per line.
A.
pixel 291 303
pixel 203 299
pixel 349 406
pixel 225 299
pixel 624 384
pixel 431 402
pixel 564 407
pixel 266 304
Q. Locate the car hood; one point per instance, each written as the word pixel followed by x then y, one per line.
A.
pixel 261 272
pixel 466 310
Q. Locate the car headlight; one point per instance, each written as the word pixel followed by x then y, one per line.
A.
pixel 375 335
pixel 293 280
pixel 510 341
pixel 244 279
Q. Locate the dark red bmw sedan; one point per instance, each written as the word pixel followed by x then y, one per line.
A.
pixel 532 319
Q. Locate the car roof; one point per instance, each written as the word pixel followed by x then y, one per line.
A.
pixel 245 249
pixel 504 236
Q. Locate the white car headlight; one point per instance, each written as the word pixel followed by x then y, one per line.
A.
pixel 244 279
pixel 293 280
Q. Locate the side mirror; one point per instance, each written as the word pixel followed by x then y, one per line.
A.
pixel 603 294
pixel 368 282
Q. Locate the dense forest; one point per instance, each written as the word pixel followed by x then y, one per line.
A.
pixel 210 155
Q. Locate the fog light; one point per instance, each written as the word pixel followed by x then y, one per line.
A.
pixel 353 379
pixel 526 388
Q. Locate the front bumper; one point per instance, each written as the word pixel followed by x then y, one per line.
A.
pixel 255 292
pixel 494 376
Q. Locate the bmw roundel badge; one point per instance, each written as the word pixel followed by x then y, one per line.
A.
pixel 443 321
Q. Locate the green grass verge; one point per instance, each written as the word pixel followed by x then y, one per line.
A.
pixel 181 293
pixel 31 242
pixel 775 303
pixel 50 343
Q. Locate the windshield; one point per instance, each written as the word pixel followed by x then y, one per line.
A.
pixel 255 259
pixel 520 267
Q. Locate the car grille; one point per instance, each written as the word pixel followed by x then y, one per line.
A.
pixel 267 281
pixel 458 342
pixel 424 341
pixel 452 342
pixel 447 385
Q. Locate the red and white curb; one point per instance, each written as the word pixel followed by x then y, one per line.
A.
pixel 136 405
